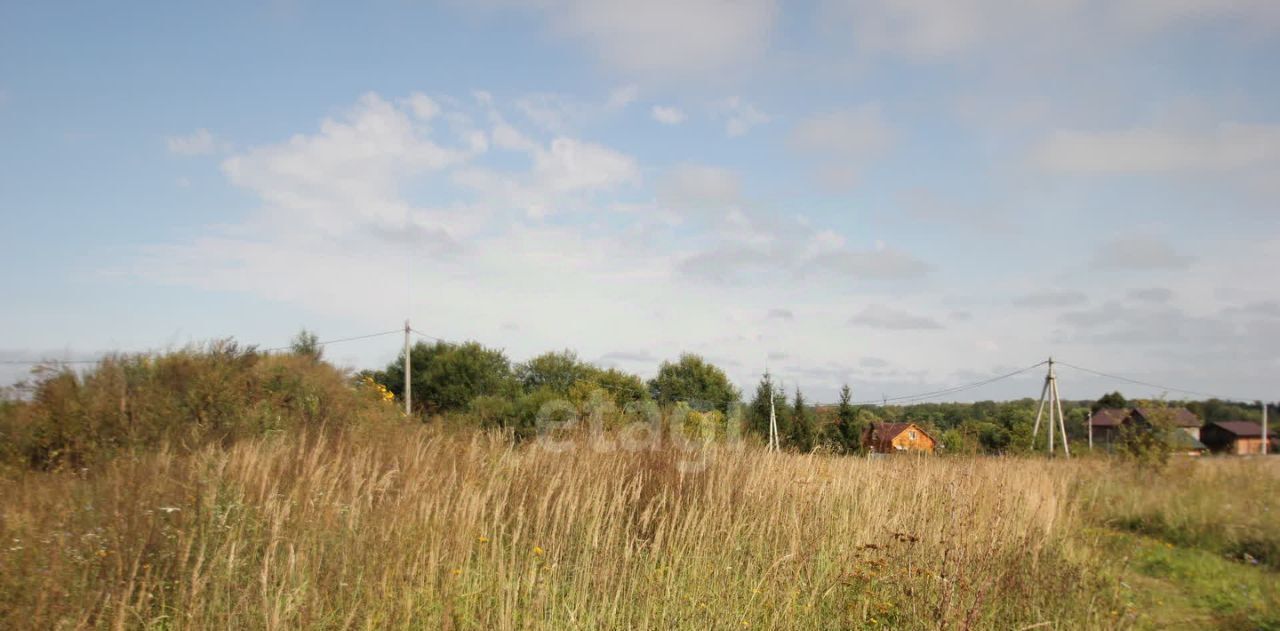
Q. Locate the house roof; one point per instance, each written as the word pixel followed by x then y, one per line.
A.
pixel 1108 417
pixel 1115 417
pixel 1241 429
pixel 1181 417
pixel 882 434
pixel 889 431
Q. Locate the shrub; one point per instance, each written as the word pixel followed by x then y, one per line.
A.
pixel 188 398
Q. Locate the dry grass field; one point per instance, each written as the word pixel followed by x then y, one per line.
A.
pixel 228 490
pixel 414 528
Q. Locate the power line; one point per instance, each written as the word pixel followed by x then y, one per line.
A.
pixel 952 390
pixel 430 337
pixel 337 341
pixel 1147 383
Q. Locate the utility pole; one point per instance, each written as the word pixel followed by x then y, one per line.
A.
pixel 408 388
pixel 1089 422
pixel 773 414
pixel 1265 446
pixel 773 417
pixel 1049 395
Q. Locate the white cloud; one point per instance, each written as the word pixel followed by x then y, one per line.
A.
pixel 559 175
pixel 856 133
pixel 555 113
pixel 507 137
pixel 1152 294
pixel 350 171
pixel 572 165
pixel 1137 254
pixel 668 38
pixel 199 142
pixel 423 106
pixel 889 318
pixel 1051 299
pixel 668 115
pixel 939 30
pixel 622 96
pixel 741 116
pixel 696 186
pixel 842 141
pixel 1224 147
pixel 879 264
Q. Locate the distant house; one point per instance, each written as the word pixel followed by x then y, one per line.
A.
pixel 1233 437
pixel 888 438
pixel 1181 418
pixel 1105 425
pixel 1184 437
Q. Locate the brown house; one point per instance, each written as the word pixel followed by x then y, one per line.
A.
pixel 1106 422
pixel 1105 425
pixel 1233 437
pixel 888 438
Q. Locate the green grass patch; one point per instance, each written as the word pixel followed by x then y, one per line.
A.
pixel 1165 586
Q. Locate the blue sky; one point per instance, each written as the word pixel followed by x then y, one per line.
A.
pixel 898 195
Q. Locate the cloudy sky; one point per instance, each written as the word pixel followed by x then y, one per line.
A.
pixel 901 195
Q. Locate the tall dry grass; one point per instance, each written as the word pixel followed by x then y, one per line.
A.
pixel 413 528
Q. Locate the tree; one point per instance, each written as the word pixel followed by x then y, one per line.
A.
pixel 848 431
pixel 624 387
pixel 801 435
pixel 557 371
pixel 758 411
pixel 1110 400
pixel 307 344
pixel 695 381
pixel 993 438
pixel 447 377
pixel 563 373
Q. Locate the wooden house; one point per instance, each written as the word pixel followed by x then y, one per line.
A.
pixel 887 438
pixel 1107 423
pixel 1233 437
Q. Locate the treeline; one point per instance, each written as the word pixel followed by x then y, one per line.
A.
pixel 469 383
pixel 223 391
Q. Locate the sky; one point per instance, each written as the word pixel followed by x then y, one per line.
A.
pixel 899 195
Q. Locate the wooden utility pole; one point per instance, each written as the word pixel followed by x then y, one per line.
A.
pixel 1049 395
pixel 408 388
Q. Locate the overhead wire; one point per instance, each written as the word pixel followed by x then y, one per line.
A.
pixel 1146 383
pixel 907 398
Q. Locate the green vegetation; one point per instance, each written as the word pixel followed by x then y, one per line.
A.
pixel 1166 586
pixel 219 393
pixel 1226 507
